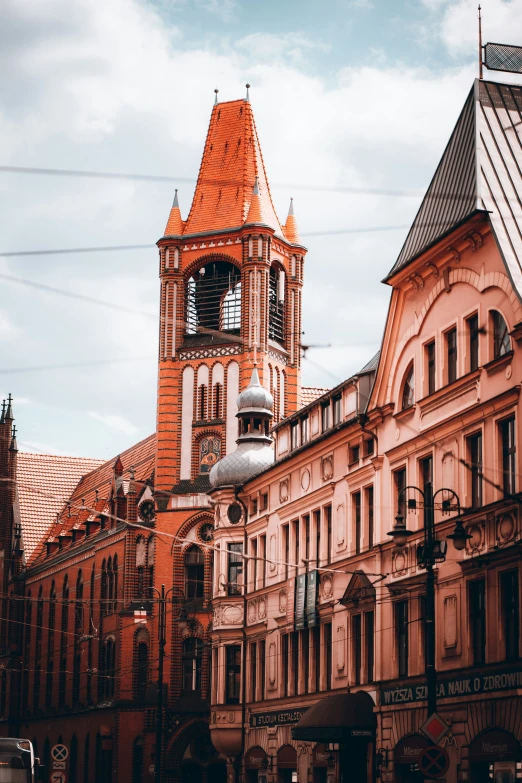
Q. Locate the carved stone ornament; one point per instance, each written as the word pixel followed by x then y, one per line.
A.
pixel 455 255
pixel 231 614
pixel 327 467
pixel 326 586
pixel 284 490
pixel 476 542
pixel 506 527
pixel 251 611
pixel 400 562
pixel 282 602
pixel 305 479
pixel 261 608
pixel 216 616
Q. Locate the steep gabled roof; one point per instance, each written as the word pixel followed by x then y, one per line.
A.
pixel 231 162
pixel 44 480
pixel 481 169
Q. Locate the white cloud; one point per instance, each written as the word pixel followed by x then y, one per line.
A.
pixel 8 331
pixel 363 5
pixel 115 422
pixel 501 22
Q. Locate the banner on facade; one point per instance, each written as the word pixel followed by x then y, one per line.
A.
pixel 454 687
pixel 300 601
pixel 311 599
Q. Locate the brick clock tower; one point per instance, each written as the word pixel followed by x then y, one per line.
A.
pixel 231 277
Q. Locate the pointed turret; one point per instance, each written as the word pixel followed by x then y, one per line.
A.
pixel 291 230
pixel 9 412
pixel 174 223
pixel 14 445
pixel 2 415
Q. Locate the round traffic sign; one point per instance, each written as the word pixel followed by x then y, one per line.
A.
pixel 433 762
pixel 59 752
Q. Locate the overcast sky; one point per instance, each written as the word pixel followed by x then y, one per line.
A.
pixel 353 93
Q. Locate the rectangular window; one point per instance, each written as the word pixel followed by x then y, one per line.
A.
pixel 328 517
pixel 325 416
pixel 369 446
pixel 509 453
pixel 475 473
pixel 295 661
pixel 294 433
pixel 401 631
pixel 337 409
pixel 262 559
pixel 295 524
pixel 304 429
pixel 357 648
pixel 426 472
pixel 285 661
pixel 473 342
pixel 306 524
pixel 253 563
pixel 430 366
pixel 253 670
pixel 399 478
pixel 370 515
pixel 233 674
pixel 477 619
pixel 305 657
pixel 355 454
pixel 317 656
pixel 510 613
pixel 235 568
pixel 286 548
pixel 369 625
pixel 262 669
pixel 356 511
pixel 327 641
pixel 451 354
pixel 317 524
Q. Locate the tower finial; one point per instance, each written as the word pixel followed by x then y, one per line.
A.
pixel 216 98
pixel 2 415
pixel 255 191
pixel 14 445
pixel 175 203
pixel 9 411
pixel 480 41
pixel 291 207
pixel 247 99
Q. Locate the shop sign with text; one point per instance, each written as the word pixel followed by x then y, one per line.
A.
pixel 277 718
pixel 455 687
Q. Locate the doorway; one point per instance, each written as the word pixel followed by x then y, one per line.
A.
pixel 286 763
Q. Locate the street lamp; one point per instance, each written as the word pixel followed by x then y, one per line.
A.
pixel 428 553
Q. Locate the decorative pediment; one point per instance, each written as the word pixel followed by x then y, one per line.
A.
pixel 359 591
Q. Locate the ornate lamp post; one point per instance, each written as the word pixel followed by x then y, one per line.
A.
pixel 431 551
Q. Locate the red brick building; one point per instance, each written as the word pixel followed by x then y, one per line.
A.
pixel 86 546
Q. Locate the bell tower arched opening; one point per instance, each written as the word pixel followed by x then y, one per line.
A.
pixel 213 299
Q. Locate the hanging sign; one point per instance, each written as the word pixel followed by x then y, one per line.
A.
pixel 311 598
pixel 300 599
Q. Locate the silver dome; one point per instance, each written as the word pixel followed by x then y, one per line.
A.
pixel 255 398
pixel 242 465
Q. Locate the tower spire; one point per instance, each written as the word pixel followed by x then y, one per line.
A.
pixel 216 97
pixel 2 415
pixel 247 99
pixel 174 223
pixel 9 412
pixel 291 230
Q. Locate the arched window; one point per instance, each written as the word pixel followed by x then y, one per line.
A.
pixel 110 586
pixel 213 298
pixel 86 754
pixel 38 650
pixel 137 760
pixel 141 563
pixel 104 587
pixel 141 664
pixel 218 400
pixel 115 584
pixel 50 647
pixel 78 633
pixel 27 651
pixel 408 389
pixel 107 675
pixel 73 760
pixel 192 656
pixel 194 572
pixel 501 339
pixel 64 643
pixel 276 304
pixel 202 402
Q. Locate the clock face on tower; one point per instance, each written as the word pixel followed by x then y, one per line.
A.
pixel 147 511
pixel 206 532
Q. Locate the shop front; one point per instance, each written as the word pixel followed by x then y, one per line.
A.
pixel 256 763
pixel 286 764
pixel 346 720
pixel 495 756
pixel 406 756
pixel 321 758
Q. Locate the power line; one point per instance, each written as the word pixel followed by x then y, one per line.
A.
pixel 408 193
pixel 74 365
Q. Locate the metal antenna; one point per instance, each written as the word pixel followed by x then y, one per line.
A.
pixel 480 42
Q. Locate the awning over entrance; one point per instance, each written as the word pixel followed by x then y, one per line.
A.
pixel 495 745
pixel 339 718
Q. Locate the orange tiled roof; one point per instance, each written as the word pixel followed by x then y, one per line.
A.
pixel 141 456
pixel 290 227
pixel 231 162
pixel 174 223
pixel 311 393
pixel 44 480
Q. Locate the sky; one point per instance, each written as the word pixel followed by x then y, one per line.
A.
pixel 347 94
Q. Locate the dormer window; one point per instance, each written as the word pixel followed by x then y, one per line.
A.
pixel 408 389
pixel 304 429
pixel 337 409
pixel 325 416
pixel 294 435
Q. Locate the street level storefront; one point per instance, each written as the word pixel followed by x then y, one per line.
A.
pixel 484 713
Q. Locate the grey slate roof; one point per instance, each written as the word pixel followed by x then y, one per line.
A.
pixel 372 365
pixel 480 170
